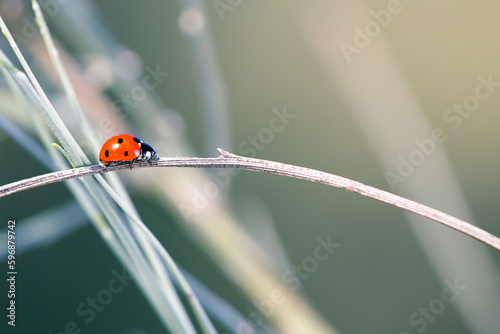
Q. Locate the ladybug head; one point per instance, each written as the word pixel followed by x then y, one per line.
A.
pixel 147 153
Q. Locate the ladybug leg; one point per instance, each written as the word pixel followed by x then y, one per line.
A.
pixel 132 163
pixel 107 166
pixel 111 164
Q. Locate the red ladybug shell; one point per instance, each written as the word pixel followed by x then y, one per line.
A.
pixel 120 148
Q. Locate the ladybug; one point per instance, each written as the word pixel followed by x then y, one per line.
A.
pixel 126 148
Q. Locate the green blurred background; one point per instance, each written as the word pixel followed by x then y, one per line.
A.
pixel 286 55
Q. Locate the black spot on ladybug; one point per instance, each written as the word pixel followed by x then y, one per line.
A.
pixel 137 140
pixel 106 153
pixel 120 140
pixel 125 153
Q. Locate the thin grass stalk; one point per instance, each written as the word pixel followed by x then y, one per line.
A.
pixel 230 160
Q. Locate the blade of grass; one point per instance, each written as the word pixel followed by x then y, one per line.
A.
pixel 202 318
pixel 167 303
pixel 210 83
pixel 43 104
pixel 61 72
pixel 125 204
